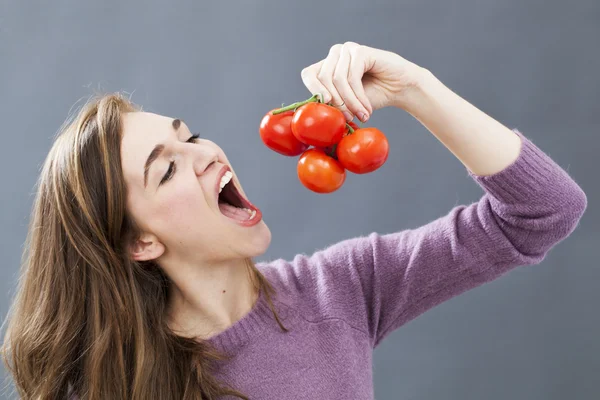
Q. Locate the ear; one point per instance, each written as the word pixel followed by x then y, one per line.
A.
pixel 146 247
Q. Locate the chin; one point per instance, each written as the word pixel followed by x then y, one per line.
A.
pixel 259 240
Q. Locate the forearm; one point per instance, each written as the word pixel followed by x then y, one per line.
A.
pixel 481 143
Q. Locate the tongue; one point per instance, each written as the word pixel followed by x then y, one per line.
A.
pixel 233 212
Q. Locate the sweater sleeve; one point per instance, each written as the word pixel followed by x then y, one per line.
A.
pixel 377 283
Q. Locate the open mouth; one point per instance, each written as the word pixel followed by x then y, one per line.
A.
pixel 233 205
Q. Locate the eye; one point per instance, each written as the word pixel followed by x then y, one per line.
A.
pixel 172 167
pixel 193 138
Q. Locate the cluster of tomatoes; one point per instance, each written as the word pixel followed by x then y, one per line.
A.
pixel 326 143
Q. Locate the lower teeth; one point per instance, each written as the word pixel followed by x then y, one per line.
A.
pixel 251 212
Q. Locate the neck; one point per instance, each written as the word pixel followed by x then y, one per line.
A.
pixel 206 300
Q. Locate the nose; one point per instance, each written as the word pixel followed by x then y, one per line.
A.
pixel 203 157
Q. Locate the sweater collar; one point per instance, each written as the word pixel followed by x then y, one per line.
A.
pixel 257 322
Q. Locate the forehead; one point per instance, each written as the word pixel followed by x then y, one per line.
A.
pixel 141 132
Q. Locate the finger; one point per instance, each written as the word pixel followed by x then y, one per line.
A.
pixel 309 78
pixel 340 80
pixel 325 75
pixel 357 69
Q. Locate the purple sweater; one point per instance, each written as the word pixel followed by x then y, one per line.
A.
pixel 342 301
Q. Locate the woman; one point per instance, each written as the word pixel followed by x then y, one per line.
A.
pixel 137 286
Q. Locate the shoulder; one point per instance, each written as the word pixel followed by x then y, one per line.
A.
pixel 318 282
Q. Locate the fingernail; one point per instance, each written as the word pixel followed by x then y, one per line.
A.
pixel 348 116
pixel 363 117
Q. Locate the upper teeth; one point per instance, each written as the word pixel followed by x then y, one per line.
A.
pixel 225 180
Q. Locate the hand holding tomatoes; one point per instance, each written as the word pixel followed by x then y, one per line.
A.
pixel 360 79
pixel 357 80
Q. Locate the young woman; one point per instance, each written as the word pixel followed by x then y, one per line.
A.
pixel 136 285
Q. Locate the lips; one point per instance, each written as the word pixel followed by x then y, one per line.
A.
pixel 233 188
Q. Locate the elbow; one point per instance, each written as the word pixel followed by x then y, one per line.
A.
pixel 572 211
pixel 581 202
pixel 565 220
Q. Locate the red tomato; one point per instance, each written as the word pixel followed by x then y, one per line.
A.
pixel 276 134
pixel 319 172
pixel 363 151
pixel 318 124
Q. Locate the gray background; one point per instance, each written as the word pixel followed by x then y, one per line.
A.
pixel 221 65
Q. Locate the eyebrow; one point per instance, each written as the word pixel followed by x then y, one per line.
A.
pixel 156 152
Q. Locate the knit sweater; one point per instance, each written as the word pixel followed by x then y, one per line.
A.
pixel 340 302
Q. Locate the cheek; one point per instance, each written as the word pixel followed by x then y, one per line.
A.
pixel 184 210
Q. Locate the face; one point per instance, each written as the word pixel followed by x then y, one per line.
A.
pixel 176 202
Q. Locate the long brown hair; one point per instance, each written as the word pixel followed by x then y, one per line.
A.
pixel 85 314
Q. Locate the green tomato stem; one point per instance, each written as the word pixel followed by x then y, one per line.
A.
pixel 350 129
pixel 316 98
pixel 334 152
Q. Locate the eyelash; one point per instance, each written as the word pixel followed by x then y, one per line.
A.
pixel 172 167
